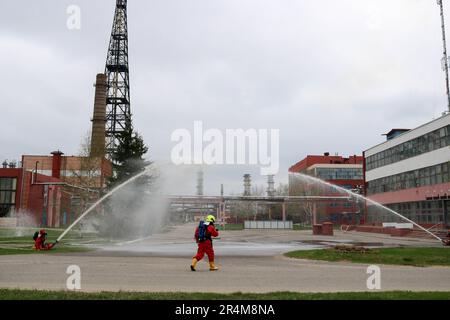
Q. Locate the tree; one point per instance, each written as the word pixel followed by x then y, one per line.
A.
pixel 128 158
pixel 84 174
pixel 282 190
pixel 130 211
pixel 90 166
pixel 306 209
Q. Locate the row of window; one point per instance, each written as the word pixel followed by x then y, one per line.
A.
pixel 431 141
pixel 7 197
pixel 342 205
pixel 6 210
pixel 412 179
pixel 8 188
pixel 8 184
pixel 420 212
pixel 339 173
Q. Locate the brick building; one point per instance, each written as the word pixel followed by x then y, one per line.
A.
pixel 337 170
pixel 88 172
pixel 50 191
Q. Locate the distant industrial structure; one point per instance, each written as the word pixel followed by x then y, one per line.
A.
pixel 247 185
pixel 200 177
pixel 270 186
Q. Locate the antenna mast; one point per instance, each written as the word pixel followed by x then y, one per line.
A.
pixel 445 58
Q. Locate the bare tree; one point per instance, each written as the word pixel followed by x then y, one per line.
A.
pixel 282 190
pixel 248 209
pixel 90 167
pixel 87 174
pixel 305 209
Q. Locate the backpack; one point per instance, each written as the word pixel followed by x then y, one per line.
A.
pixel 36 235
pixel 202 231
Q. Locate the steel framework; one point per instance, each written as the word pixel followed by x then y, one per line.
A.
pixel 118 112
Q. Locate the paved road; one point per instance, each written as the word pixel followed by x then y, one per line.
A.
pixel 246 274
pixel 144 266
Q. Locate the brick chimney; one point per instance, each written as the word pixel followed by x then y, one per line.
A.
pixel 56 164
pixel 99 118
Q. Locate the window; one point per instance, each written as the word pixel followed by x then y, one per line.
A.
pixel 420 212
pixel 339 173
pixel 431 141
pixel 413 179
pixel 8 187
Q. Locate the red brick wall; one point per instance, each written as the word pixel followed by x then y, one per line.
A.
pixel 35 202
pixel 412 195
pixel 70 164
pixel 30 200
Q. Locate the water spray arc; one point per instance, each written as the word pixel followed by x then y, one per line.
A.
pixel 358 196
pixel 106 196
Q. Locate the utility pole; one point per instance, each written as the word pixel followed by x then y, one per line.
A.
pixel 445 58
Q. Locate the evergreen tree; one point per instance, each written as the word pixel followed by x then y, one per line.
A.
pixel 125 212
pixel 128 158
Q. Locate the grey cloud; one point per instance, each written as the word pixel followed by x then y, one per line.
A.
pixel 331 75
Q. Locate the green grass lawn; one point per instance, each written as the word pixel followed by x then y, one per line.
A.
pixel 20 241
pixel 29 250
pixel 26 234
pixel 6 294
pixel 298 226
pixel 420 257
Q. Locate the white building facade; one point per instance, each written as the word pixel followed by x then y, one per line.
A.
pixel 410 173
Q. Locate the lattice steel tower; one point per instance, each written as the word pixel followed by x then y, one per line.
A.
pixel 118 113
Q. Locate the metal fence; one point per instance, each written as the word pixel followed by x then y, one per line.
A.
pixel 268 225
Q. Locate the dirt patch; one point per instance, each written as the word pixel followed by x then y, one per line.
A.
pixel 345 248
pixel 340 243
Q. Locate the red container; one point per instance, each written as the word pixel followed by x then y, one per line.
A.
pixel 327 229
pixel 317 229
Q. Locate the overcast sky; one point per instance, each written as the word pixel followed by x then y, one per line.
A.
pixel 331 75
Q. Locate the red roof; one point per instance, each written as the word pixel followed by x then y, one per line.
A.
pixel 311 160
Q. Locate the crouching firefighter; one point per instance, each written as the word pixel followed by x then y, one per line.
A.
pixel 40 238
pixel 446 242
pixel 203 235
